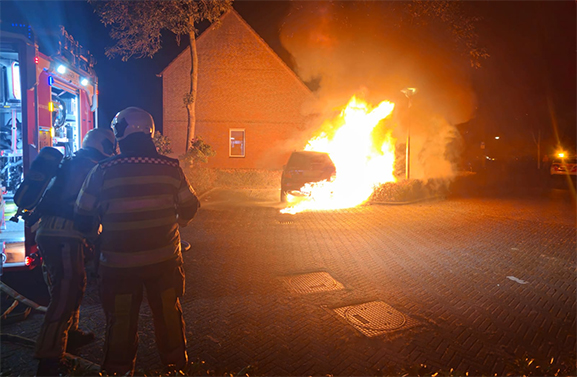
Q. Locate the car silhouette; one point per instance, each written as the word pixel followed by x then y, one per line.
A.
pixel 305 167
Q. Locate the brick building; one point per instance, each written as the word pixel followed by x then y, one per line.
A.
pixel 250 105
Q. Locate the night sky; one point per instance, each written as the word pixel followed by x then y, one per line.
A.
pixel 526 85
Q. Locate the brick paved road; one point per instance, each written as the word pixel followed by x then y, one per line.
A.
pixel 481 282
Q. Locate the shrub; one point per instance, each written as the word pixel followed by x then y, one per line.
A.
pixel 199 151
pixel 162 143
pixel 406 191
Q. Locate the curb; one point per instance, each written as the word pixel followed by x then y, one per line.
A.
pixel 428 198
pixel 207 192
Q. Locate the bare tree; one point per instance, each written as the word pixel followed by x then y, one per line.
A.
pixel 137 27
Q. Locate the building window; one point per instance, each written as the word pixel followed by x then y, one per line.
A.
pixel 237 142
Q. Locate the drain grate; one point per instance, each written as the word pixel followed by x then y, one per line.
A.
pixel 373 318
pixel 313 282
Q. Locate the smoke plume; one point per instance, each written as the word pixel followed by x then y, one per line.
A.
pixel 343 48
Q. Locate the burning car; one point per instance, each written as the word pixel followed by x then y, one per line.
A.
pixel 305 167
pixel 348 144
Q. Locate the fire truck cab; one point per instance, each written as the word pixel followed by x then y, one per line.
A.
pixel 44 101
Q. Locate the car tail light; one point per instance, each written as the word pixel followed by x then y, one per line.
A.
pixel 31 258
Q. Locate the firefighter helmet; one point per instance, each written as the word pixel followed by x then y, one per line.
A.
pixel 101 139
pixel 132 120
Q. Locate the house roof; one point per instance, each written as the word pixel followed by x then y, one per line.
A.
pixel 234 13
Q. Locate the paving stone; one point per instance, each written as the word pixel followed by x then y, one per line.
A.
pixel 444 263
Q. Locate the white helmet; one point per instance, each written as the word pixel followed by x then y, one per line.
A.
pixel 101 139
pixel 132 120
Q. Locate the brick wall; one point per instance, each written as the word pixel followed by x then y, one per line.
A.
pixel 242 84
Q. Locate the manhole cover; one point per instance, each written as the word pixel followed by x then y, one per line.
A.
pixel 372 318
pixel 314 282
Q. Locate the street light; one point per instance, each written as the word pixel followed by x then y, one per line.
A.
pixel 409 93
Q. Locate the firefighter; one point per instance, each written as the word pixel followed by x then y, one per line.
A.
pixel 140 198
pixel 63 252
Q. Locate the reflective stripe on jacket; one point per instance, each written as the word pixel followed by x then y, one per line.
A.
pixel 54 226
pixel 139 200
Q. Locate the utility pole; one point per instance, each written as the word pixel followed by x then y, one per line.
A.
pixel 539 150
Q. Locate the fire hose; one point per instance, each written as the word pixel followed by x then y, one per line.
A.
pixel 19 298
pixel 83 364
pixel 31 305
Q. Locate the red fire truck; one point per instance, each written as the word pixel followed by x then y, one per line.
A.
pixel 44 101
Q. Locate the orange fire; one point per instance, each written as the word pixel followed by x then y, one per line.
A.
pixel 363 159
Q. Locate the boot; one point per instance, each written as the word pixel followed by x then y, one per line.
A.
pixel 78 338
pixel 52 367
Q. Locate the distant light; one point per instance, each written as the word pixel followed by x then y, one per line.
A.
pixel 561 155
pixel 61 69
pixel 50 80
pixel 84 81
pixel 496 137
pixel 36 60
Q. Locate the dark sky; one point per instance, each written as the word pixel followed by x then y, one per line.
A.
pixel 529 82
pixel 529 76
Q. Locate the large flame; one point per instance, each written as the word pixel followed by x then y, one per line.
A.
pixel 362 159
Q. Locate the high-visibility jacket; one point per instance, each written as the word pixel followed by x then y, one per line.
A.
pixel 139 199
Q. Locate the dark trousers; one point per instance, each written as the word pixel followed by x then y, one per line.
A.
pixel 63 263
pixel 121 292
